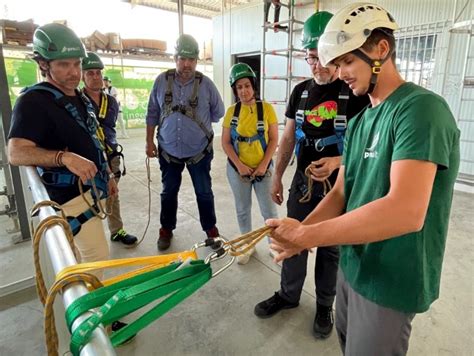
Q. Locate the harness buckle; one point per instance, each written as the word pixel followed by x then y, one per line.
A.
pixel 340 122
pixel 168 97
pixel 194 103
pixel 244 139
pixel 299 116
pixel 182 109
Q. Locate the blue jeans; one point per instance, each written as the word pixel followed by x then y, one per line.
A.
pixel 243 198
pixel 171 181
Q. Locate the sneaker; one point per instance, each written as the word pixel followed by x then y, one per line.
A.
pixel 245 258
pixel 272 305
pixel 116 326
pixel 323 322
pixel 164 241
pixel 123 237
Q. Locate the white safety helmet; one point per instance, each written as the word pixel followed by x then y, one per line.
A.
pixel 350 27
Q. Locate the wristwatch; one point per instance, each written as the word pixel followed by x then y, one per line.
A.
pixel 112 175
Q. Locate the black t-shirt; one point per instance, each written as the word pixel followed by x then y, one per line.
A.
pixel 320 111
pixel 39 118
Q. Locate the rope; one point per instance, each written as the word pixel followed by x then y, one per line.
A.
pixel 244 243
pixel 50 333
pixel 148 176
pixel 327 186
pixel 34 211
pixel 44 225
pixel 102 213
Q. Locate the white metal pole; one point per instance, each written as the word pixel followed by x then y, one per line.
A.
pixel 62 256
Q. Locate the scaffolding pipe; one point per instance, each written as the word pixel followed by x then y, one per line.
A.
pixel 61 256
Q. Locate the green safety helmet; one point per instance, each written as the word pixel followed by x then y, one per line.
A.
pixel 186 47
pixel 92 61
pixel 55 41
pixel 239 71
pixel 313 29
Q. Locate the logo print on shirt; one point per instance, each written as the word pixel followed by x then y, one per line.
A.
pixel 371 152
pixel 321 112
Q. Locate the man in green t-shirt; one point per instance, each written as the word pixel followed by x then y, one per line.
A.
pixel 389 209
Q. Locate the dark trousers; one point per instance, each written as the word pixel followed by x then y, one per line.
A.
pixel 171 176
pixel 293 271
pixel 276 17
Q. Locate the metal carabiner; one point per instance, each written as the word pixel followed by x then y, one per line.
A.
pixel 316 146
pixel 217 255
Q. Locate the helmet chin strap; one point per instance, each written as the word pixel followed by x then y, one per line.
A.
pixel 375 65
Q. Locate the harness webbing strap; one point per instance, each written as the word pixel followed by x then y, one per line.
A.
pixel 104 102
pixel 339 122
pixel 300 116
pixel 77 221
pixel 260 135
pixel 189 111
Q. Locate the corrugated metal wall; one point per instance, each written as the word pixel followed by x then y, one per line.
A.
pixel 240 31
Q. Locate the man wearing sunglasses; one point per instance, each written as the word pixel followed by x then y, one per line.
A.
pixel 317 115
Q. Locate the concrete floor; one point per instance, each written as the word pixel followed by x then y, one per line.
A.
pixel 218 319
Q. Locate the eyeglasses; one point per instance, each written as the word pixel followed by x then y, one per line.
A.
pixel 311 60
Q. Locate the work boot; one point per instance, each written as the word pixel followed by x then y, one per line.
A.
pixel 213 233
pixel 323 322
pixel 164 241
pixel 116 326
pixel 272 305
pixel 123 237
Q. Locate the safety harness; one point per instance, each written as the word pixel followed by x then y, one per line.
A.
pixel 62 177
pixel 189 111
pixel 111 152
pixel 340 122
pixel 236 137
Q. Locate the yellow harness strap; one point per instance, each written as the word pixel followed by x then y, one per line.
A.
pixel 104 103
pixel 148 262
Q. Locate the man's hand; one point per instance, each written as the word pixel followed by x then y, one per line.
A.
pixel 277 191
pixel 285 237
pixel 323 168
pixel 151 150
pixel 80 166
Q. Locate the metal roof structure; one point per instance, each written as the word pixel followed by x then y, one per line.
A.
pixel 199 8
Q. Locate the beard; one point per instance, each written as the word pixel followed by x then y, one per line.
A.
pixel 322 79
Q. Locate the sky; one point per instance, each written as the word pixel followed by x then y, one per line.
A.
pixel 86 16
